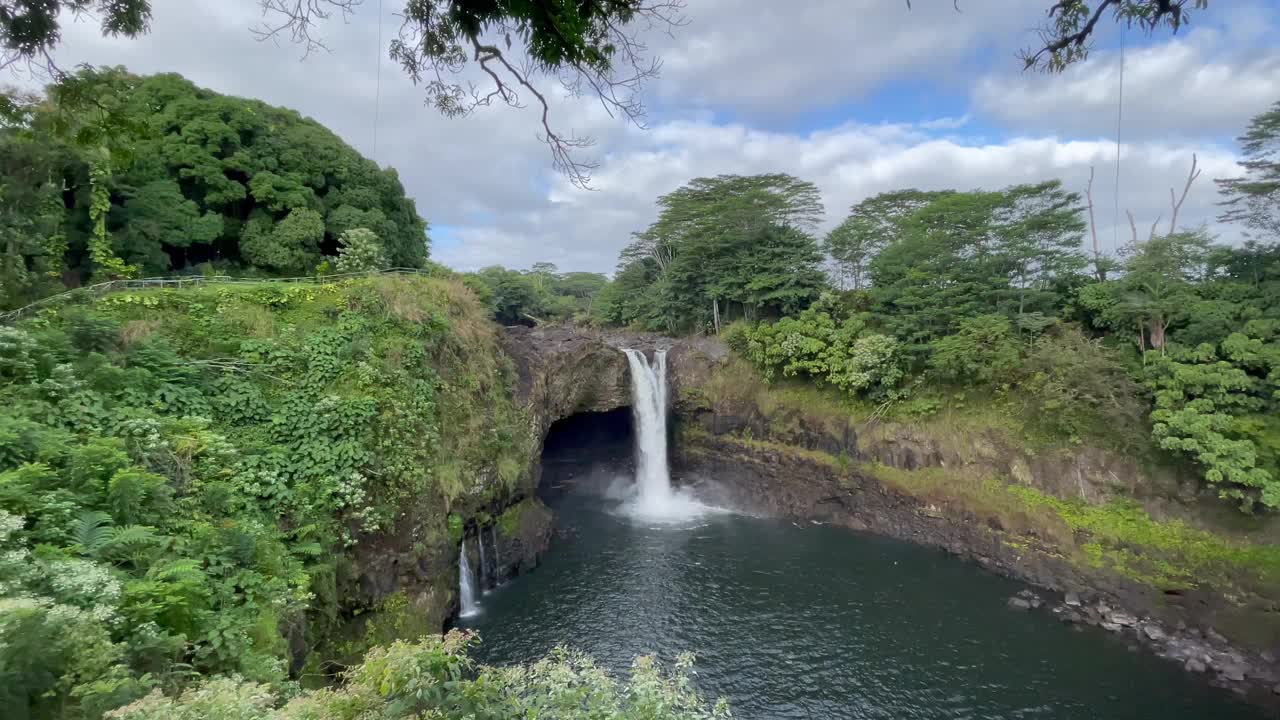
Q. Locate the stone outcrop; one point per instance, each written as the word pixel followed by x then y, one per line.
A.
pixel 563 371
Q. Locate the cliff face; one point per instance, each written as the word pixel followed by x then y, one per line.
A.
pixel 565 371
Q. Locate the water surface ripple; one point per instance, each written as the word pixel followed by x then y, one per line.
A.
pixel 808 621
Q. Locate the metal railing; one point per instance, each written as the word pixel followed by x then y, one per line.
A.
pixel 185 281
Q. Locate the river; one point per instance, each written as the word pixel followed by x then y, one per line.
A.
pixel 808 621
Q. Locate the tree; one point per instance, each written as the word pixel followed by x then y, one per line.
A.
pixel 871 224
pixel 163 175
pixel 706 246
pixel 1253 199
pixel 515 295
pixel 543 273
pixel 1040 230
pixel 1157 289
pixel 32 235
pixel 291 246
pixel 777 272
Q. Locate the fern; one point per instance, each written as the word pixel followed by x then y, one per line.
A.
pixel 133 544
pixel 178 572
pixel 92 532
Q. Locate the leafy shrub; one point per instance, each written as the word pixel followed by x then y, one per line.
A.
pixel 814 345
pixel 1074 388
pixel 169 504
pixel 1204 399
pixel 434 678
pixel 983 350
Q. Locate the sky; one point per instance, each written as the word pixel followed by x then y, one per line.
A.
pixel 857 96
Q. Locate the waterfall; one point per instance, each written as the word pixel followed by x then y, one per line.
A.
pixel 654 497
pixel 466 584
pixel 483 576
pixel 497 556
pixel 649 403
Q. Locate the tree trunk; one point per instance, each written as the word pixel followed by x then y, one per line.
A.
pixel 715 313
pixel 1157 328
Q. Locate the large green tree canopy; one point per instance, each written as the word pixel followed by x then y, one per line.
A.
pixel 741 239
pixel 192 176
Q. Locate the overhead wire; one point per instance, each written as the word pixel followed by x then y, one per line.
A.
pixel 377 95
pixel 1115 225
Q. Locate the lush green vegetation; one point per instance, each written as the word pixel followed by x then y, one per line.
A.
pixel 186 475
pixel 939 298
pixel 113 175
pixel 434 679
pixel 539 294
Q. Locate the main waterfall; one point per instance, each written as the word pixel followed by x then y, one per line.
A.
pixel 654 498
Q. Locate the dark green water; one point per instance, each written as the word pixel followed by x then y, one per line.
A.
pixel 811 621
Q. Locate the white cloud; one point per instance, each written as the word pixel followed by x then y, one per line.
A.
pixel 1198 83
pixel 783 58
pixel 488 179
pixel 585 230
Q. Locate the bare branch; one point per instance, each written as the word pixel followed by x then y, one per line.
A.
pixel 562 147
pixel 1132 226
pixel 1064 40
pixel 1077 38
pixel 1177 204
pixel 1154 223
pixel 298 19
pixel 1093 225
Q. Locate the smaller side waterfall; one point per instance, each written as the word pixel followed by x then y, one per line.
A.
pixel 483 582
pixel 466 584
pixel 497 556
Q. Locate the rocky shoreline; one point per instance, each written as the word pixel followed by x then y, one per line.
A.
pixel 1199 651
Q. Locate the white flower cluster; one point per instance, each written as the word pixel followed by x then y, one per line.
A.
pixel 87 585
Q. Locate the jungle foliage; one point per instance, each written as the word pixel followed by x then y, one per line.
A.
pixel 183 474
pixel 114 175
pixel 540 294
pixel 434 678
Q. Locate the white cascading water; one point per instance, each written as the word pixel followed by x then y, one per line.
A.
pixel 483 575
pixel 466 584
pixel 654 497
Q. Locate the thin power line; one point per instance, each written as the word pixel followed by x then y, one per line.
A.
pixel 377 97
pixel 1115 223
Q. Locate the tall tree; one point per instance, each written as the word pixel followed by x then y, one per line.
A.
pixel 1253 199
pixel 1040 230
pixel 960 255
pixel 871 224
pixel 702 243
